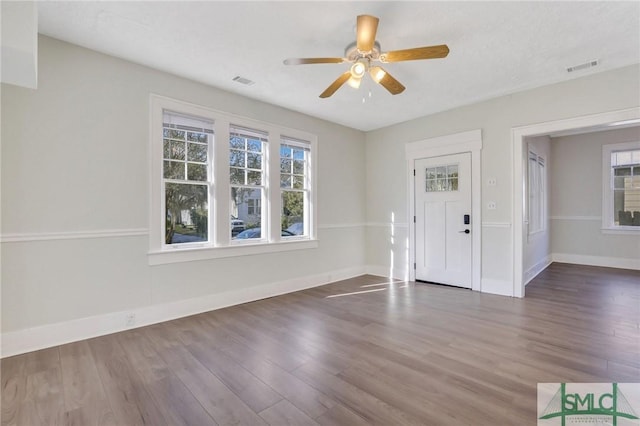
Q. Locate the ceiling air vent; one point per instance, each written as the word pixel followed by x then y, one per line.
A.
pixel 583 66
pixel 243 80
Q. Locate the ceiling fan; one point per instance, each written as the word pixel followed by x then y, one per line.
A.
pixel 364 52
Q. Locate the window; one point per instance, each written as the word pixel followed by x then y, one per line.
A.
pixel 294 186
pixel 537 189
pixel 442 178
pixel 247 177
pixel 621 187
pixel 186 179
pixel 220 188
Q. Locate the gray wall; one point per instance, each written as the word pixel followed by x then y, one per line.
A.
pixel 576 197
pixel 75 158
pixel 386 167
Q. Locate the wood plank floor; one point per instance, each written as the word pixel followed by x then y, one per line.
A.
pixel 361 351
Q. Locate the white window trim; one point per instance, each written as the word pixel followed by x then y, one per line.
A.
pixel 220 244
pixel 608 217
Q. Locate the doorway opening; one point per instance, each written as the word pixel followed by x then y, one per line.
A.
pixel 521 156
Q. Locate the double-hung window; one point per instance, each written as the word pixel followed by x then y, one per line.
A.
pixel 224 185
pixel 247 149
pixel 621 187
pixel 186 177
pixel 295 186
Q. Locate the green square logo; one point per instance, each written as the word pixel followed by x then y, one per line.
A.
pixel 561 404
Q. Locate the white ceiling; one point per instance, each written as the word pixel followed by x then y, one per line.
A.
pixel 497 48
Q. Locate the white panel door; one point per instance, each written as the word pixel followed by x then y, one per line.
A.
pixel 443 203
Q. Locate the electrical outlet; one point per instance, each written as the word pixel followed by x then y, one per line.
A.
pixel 491 181
pixel 130 319
pixel 491 205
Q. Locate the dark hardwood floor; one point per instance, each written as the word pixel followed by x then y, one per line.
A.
pixel 361 351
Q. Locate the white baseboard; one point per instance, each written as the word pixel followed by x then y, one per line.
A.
pixel 385 271
pixel 31 339
pixel 499 287
pixel 532 272
pixel 608 262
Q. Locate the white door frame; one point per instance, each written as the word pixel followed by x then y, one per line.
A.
pixel 518 134
pixel 470 141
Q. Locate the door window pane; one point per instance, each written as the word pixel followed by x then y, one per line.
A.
pixel 441 178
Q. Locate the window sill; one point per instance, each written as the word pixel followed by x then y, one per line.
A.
pixel 190 254
pixel 622 230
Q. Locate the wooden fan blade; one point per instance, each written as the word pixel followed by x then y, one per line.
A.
pixel 385 79
pixel 366 32
pixel 336 85
pixel 427 52
pixel 301 61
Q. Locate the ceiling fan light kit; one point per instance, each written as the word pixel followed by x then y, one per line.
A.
pixel 366 50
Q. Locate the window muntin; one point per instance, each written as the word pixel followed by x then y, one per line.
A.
pixel 247 149
pixel 186 178
pixel 537 188
pixel 625 185
pixel 295 159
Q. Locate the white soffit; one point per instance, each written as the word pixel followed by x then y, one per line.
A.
pixel 497 48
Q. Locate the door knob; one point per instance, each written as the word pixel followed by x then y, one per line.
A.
pixel 466 231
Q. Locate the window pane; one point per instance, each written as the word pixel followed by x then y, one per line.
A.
pixel 622 171
pixel 618 182
pixel 237 176
pixel 254 145
pixel 236 142
pixel 452 171
pixel 453 184
pixel 285 181
pixel 197 172
pixel 186 213
pixel 236 158
pixel 167 149
pixel 254 161
pixel 298 167
pixel 285 165
pixel 431 185
pixel 245 205
pixel 197 152
pixel 173 170
pixel 254 178
pixel 431 173
pixel 285 151
pixel 197 137
pixel 177 150
pixel 174 134
pixel 292 213
pixel 441 172
pixel 298 182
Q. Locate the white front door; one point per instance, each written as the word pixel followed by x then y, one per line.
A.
pixel 443 219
